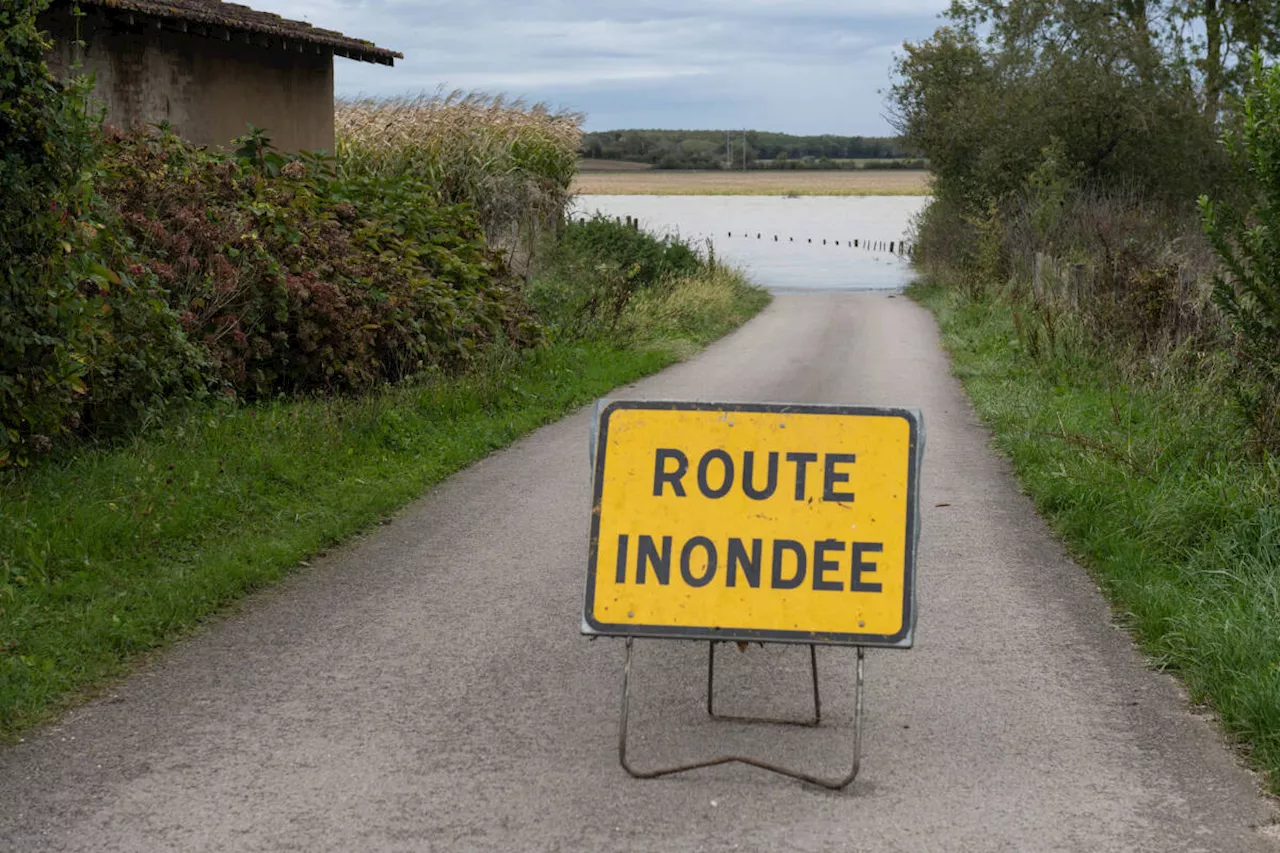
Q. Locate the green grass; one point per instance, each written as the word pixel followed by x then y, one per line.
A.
pixel 108 553
pixel 1149 483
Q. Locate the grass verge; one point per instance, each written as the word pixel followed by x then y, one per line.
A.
pixel 108 553
pixel 1150 486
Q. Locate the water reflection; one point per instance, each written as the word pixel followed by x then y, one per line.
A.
pixel 790 262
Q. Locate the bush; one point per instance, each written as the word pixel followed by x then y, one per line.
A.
pixel 85 336
pixel 136 269
pixel 1249 247
pixel 598 267
pixel 47 145
pixel 295 279
pixel 649 258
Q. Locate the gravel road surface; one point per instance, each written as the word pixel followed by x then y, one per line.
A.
pixel 425 687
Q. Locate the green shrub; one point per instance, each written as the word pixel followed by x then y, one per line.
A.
pixel 649 258
pixel 1248 245
pixel 596 270
pixel 136 269
pixel 47 145
pixel 296 280
pixel 85 336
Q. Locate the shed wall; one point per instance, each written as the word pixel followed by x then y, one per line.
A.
pixel 208 89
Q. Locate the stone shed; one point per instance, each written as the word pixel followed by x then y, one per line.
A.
pixel 209 69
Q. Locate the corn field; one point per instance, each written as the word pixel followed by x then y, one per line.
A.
pixel 512 161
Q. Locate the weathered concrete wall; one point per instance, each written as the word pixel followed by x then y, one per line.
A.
pixel 208 89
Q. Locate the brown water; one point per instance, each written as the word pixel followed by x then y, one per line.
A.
pixel 779 241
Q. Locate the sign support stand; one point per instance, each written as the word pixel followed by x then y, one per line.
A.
pixel 832 784
pixel 754 522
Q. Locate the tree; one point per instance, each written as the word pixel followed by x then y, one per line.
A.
pixel 944 103
pixel 1005 80
pixel 1248 244
pixel 1218 37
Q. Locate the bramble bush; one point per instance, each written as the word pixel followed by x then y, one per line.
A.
pixel 137 270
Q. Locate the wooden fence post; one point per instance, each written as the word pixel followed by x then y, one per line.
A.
pixel 1077 285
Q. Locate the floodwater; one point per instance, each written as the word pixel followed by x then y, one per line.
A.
pixel 788 254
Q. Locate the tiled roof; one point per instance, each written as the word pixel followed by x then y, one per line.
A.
pixel 225 18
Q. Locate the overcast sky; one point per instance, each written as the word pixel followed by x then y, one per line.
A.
pixel 796 66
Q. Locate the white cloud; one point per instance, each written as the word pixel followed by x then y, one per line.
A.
pixel 569 79
pixel 791 65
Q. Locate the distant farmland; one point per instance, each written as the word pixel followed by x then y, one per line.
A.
pixel 757 182
pixel 589 165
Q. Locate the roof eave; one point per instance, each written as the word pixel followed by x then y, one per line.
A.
pixel 174 18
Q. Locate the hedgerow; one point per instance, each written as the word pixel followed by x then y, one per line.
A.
pixel 294 280
pixel 137 271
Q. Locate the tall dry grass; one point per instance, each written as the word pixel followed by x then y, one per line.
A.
pixel 1095 267
pixel 514 162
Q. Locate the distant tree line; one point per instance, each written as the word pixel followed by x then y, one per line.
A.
pixel 721 149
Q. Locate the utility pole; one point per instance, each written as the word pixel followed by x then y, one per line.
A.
pixel 728 150
pixel 744 149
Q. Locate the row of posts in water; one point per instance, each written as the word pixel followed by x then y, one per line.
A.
pixel 893 247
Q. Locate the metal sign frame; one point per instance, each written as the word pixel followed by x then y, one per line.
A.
pixel 833 784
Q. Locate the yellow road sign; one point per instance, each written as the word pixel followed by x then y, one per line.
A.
pixel 784 523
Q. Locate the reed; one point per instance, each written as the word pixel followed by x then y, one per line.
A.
pixel 514 162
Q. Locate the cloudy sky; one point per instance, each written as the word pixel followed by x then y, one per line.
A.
pixel 797 66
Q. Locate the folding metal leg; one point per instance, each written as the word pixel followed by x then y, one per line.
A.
pixel 833 784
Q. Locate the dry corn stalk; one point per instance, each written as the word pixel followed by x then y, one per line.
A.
pixel 513 161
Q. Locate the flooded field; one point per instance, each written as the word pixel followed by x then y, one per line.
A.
pixel 779 241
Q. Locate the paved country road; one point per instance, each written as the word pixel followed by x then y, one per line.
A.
pixel 425 688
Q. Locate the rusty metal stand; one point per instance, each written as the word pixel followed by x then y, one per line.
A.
pixel 833 784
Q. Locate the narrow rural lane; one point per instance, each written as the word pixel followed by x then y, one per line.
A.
pixel 426 689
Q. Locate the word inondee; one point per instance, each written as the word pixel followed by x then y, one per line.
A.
pixel 826 565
